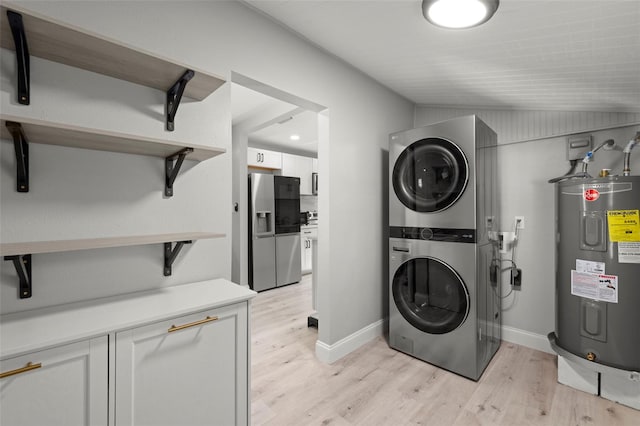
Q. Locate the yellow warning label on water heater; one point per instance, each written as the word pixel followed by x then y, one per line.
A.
pixel 624 225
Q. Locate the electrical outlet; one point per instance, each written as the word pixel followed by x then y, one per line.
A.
pixel 489 220
pixel 519 221
pixel 516 278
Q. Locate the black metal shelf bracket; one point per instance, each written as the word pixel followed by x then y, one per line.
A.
pixel 22 55
pixel 172 166
pixel 174 96
pixel 21 146
pixel 22 264
pixel 170 254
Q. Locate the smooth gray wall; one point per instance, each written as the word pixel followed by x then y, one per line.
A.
pixel 74 191
pixel 531 151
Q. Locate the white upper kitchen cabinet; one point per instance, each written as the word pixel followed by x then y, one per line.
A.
pixel 299 166
pixel 264 159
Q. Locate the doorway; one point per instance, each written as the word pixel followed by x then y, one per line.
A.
pixel 260 115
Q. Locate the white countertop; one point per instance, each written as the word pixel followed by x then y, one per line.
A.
pixel 27 331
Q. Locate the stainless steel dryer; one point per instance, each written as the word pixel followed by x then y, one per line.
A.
pixel 444 256
pixel 438 171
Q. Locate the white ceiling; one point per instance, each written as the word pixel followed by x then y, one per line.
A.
pixel 278 135
pixel 572 55
pixel 272 122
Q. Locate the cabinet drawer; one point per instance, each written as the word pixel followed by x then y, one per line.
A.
pixel 309 232
pixel 65 385
pixel 189 370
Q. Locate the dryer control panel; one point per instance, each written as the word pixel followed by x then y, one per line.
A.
pixel 452 235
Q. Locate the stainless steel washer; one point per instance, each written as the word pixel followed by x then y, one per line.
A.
pixel 444 302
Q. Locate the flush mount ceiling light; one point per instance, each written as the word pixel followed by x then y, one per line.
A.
pixel 458 13
pixel 294 137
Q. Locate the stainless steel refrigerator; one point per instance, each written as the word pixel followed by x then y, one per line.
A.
pixel 274 224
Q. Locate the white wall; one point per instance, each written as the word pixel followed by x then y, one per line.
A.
pixel 74 192
pixel 78 193
pixel 531 151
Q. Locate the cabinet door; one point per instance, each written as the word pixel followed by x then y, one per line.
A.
pixel 65 385
pixel 303 251
pixel 253 157
pixel 306 267
pixel 271 159
pixel 298 166
pixel 307 254
pixel 263 158
pixel 190 370
pixel 307 249
pixel 290 165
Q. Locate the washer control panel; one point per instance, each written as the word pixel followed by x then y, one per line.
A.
pixel 452 235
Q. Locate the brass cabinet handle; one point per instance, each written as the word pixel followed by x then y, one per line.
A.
pixel 191 324
pixel 30 366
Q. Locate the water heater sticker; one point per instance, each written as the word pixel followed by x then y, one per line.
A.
pixel 595 286
pixel 624 225
pixel 591 194
pixel 629 252
pixel 590 266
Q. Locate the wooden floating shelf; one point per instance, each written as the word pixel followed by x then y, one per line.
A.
pixel 21 253
pixel 50 133
pixel 60 42
pixel 36 247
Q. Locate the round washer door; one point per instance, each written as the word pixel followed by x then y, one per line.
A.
pixel 430 175
pixel 430 295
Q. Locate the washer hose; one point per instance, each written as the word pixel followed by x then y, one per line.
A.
pixel 585 163
pixel 626 171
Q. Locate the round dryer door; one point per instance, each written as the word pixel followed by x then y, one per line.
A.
pixel 430 175
pixel 430 295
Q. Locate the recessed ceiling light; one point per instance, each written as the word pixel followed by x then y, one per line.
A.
pixel 294 137
pixel 458 13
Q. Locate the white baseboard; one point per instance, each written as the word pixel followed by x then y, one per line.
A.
pixel 526 338
pixel 331 353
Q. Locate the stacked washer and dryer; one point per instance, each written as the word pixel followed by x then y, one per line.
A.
pixel 444 266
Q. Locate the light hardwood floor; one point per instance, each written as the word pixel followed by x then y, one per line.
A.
pixel 377 385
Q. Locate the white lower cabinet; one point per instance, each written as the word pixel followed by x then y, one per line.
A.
pixel 65 385
pixel 187 371
pixel 307 234
pixel 305 255
pixel 175 356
